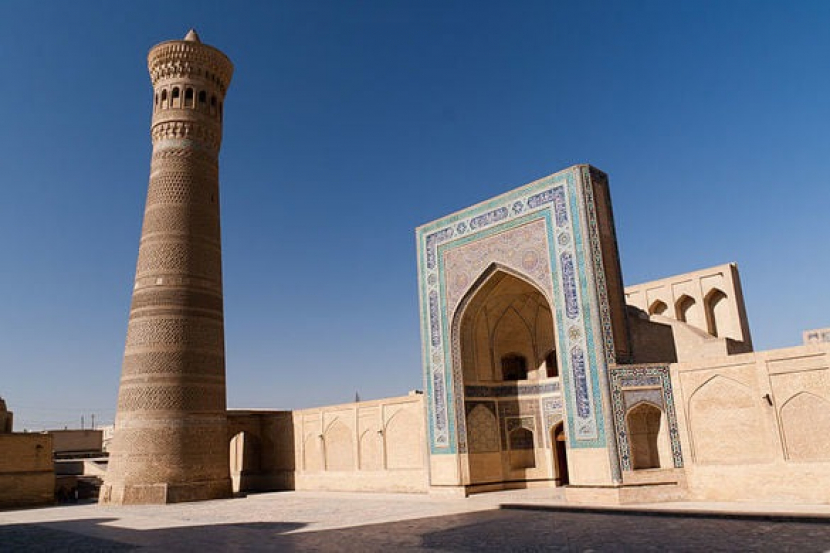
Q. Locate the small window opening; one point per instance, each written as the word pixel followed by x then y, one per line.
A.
pixel 514 367
pixel 202 99
pixel 188 98
pixel 176 100
pixel 551 366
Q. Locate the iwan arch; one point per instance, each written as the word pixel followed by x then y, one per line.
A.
pixel 540 368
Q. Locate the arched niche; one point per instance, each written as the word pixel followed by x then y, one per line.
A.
pixel 482 430
pixel 648 437
pixel 805 420
pixel 725 423
pixel 522 449
pixel 403 441
pixel 658 307
pixel 718 313
pixel 371 450
pixel 502 319
pixel 312 452
pixel 688 311
pixel 339 447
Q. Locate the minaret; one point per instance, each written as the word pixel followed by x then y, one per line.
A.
pixel 170 442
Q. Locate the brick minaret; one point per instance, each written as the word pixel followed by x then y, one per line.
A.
pixel 170 441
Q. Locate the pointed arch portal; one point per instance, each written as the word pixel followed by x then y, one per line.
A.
pixel 522 310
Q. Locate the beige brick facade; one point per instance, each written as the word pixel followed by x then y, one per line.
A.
pixel 27 477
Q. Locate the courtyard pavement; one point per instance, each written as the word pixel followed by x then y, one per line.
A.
pixel 522 520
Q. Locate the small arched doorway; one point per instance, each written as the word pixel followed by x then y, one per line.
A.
pixel 560 454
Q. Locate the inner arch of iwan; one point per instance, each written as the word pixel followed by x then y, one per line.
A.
pixel 507 357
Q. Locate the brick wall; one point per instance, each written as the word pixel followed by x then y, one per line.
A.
pixel 26 474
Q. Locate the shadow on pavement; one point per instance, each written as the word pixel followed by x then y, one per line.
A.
pixel 493 530
pixel 103 534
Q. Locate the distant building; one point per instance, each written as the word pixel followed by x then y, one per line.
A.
pixel 76 442
pixel 817 336
pixel 80 462
pixel 27 476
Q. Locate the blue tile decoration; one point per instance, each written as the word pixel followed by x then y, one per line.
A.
pixel 633 384
pixel 433 240
pixel 569 285
pixel 511 390
pixel 560 206
pixel 583 395
pixel 555 202
pixel 552 413
pixel 552 405
pixel 513 423
pixel 440 417
pixel 434 322
pixel 583 402
pixel 538 200
pixel 488 218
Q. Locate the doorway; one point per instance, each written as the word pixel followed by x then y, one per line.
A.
pixel 560 455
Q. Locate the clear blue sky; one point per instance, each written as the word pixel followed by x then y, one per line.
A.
pixel 349 123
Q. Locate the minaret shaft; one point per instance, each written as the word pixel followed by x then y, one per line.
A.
pixel 170 442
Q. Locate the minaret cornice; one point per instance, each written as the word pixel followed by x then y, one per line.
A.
pixel 183 59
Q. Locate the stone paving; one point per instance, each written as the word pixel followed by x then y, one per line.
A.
pixel 316 521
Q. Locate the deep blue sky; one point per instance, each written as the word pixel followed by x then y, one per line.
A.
pixel 349 123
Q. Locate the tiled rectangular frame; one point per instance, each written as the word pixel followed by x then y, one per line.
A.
pixel 565 202
pixel 636 378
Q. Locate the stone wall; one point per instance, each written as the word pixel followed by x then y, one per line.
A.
pixel 756 426
pixel 709 300
pixel 26 474
pixel 261 447
pixel 64 441
pixel 367 446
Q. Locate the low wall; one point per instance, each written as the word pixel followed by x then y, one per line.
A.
pixel 756 426
pixel 64 441
pixel 26 474
pixel 366 446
